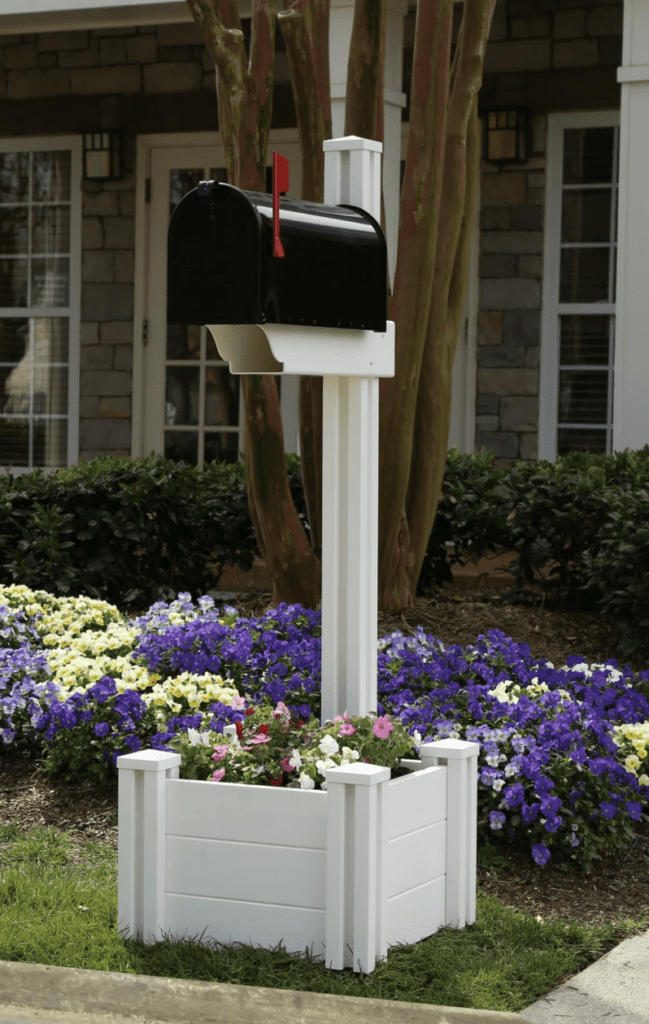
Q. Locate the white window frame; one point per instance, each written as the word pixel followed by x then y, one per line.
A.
pixel 551 309
pixel 72 143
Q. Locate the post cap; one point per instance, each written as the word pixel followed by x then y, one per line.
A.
pixel 357 774
pixel 455 750
pixel 351 142
pixel 149 760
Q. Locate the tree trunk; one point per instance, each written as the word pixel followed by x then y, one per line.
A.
pixel 411 300
pixel 430 285
pixel 305 27
pixel 245 96
pixel 461 170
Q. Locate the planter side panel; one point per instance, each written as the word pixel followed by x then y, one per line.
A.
pixel 416 856
pixel 246 864
pixel 259 924
pixel 225 811
pixel 250 872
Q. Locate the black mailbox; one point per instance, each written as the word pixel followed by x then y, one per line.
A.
pixel 221 268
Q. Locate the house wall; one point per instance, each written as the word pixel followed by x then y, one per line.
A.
pixel 547 55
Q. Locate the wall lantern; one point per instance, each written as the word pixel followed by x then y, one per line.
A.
pixel 102 156
pixel 507 136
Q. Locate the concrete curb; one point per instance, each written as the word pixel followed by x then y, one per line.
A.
pixel 101 996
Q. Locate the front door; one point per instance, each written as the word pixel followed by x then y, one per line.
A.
pixel 192 404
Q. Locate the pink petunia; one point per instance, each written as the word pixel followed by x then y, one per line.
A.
pixel 259 739
pixel 218 774
pixel 342 718
pixel 220 752
pixel 286 764
pixel 347 729
pixel 382 727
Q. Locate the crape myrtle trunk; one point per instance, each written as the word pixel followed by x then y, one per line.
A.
pixel 245 95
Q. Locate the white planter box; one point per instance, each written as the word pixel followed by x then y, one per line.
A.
pixel 347 873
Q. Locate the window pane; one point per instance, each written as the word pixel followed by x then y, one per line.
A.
pixel 211 351
pixel 182 445
pixel 586 215
pixel 584 275
pixel 50 443
pixel 221 397
pixel 51 339
pixel 50 390
pixel 580 440
pixel 584 340
pixel 51 281
pixel 181 183
pixel 14 442
pixel 183 342
pixel 51 177
pixel 221 446
pixel 181 396
pixel 14 177
pixel 583 396
pixel 588 156
pixel 15 388
pixel 50 229
pixel 13 282
pixel 13 229
pixel 14 339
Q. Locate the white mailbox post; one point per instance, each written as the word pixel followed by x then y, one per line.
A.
pixel 350 363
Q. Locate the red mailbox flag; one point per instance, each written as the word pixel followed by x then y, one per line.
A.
pixel 280 184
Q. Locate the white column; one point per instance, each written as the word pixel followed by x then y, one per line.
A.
pixel 141 842
pixel 461 760
pixel 631 408
pixel 356 880
pixel 350 483
pixel 340 31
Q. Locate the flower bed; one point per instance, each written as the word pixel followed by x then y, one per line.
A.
pixel 563 767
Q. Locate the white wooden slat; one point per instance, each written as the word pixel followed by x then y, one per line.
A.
pixel 415 801
pixel 263 873
pixel 260 924
pixel 416 858
pixel 416 914
pixel 225 811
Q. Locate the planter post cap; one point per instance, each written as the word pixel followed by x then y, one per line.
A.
pixel 149 760
pixel 358 774
pixel 457 750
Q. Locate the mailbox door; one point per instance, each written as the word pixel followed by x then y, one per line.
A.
pixel 214 259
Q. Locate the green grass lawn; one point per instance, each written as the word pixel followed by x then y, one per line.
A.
pixel 54 913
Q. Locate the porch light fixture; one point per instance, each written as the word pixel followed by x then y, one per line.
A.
pixel 102 156
pixel 507 136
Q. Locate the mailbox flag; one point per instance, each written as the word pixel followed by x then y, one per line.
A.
pixel 280 184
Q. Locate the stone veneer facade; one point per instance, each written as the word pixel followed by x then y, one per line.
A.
pixel 543 54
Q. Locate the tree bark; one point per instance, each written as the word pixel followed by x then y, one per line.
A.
pixel 245 96
pixel 305 27
pixel 461 170
pixel 365 71
pixel 411 300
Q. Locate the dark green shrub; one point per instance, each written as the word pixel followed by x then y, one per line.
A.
pixel 617 569
pixel 125 530
pixel 468 522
